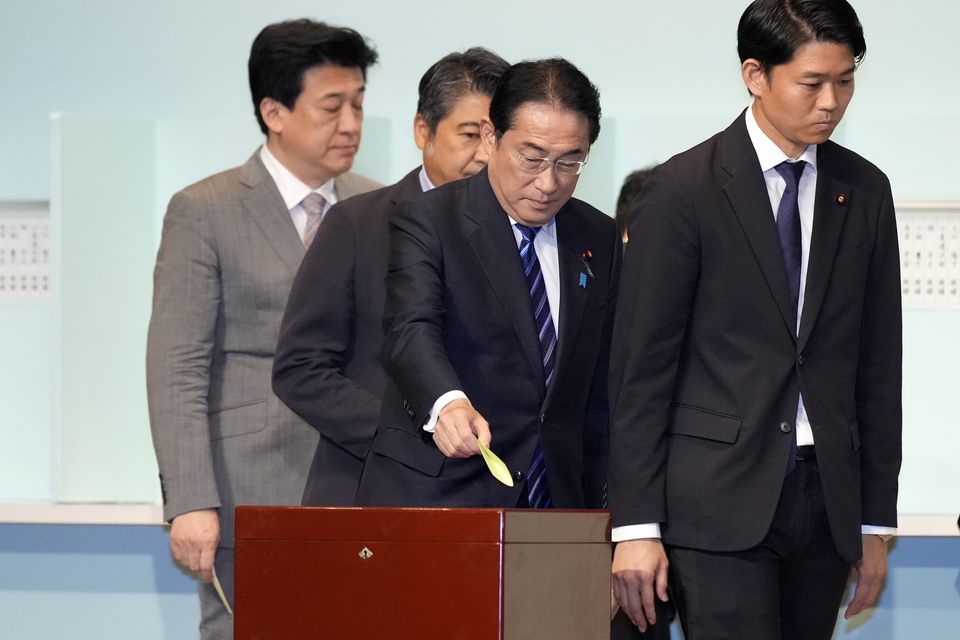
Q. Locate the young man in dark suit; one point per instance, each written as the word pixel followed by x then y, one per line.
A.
pixel 756 376
pixel 500 297
pixel 327 366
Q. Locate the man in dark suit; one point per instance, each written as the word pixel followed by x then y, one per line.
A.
pixel 327 366
pixel 231 245
pixel 756 374
pixel 500 297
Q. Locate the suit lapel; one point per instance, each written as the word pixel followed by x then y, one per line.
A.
pixel 746 192
pixel 266 207
pixel 828 219
pixel 573 297
pixel 408 188
pixel 491 238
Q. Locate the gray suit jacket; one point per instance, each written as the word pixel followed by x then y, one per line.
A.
pixel 227 258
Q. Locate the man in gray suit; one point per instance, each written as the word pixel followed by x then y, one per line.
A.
pixel 231 246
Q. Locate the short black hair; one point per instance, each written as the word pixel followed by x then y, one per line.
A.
pixel 771 31
pixel 284 51
pixel 633 184
pixel 554 81
pixel 476 70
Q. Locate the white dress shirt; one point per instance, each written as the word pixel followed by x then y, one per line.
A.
pixel 293 190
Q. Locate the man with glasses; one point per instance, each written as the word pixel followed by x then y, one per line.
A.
pixel 500 299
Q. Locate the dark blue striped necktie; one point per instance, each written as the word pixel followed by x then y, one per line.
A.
pixel 788 232
pixel 538 489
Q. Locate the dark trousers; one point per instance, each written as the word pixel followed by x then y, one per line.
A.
pixel 788 587
pixel 622 629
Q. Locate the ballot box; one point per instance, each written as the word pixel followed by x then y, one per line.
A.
pixel 424 574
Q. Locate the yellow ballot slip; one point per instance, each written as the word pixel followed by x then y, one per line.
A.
pixel 496 465
pixel 219 588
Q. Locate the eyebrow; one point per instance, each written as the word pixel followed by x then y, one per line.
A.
pixel 470 123
pixel 341 95
pixel 816 74
pixel 531 146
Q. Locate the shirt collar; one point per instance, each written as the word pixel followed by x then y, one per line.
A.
pixel 768 153
pixel 291 188
pixel 548 230
pixel 425 183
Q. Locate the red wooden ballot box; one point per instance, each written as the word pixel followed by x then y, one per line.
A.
pixel 424 574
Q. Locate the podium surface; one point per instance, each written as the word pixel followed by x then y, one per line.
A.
pixel 444 574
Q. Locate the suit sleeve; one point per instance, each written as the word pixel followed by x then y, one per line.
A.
pixel 879 375
pixel 414 354
pixel 316 333
pixel 657 287
pixel 186 302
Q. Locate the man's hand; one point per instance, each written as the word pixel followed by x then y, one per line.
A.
pixel 459 426
pixel 871 572
pixel 639 575
pixel 193 539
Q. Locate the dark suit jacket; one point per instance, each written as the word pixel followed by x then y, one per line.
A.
pixel 327 366
pixel 459 316
pixel 707 365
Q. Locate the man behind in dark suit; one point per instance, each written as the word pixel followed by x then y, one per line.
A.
pixel 756 376
pixel 327 366
pixel 483 275
pixel 231 245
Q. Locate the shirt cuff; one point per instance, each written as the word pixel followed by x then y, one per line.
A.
pixel 438 406
pixel 869 529
pixel 635 532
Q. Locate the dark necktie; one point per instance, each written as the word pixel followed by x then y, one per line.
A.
pixel 538 489
pixel 788 230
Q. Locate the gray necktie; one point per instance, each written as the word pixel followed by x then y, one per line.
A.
pixel 313 204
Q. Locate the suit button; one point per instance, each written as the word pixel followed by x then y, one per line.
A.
pixel 786 427
pixel 411 414
pixel 801 359
pixel 406 405
pixel 519 476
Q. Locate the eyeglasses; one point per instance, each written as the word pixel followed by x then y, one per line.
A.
pixel 531 165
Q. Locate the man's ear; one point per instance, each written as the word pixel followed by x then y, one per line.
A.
pixel 273 113
pixel 421 132
pixel 754 76
pixel 488 136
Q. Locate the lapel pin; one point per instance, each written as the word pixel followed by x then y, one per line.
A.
pixel 841 199
pixel 583 280
pixel 586 257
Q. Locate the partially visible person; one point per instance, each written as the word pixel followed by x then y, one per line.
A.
pixel 230 247
pixel 500 300
pixel 327 366
pixel 626 212
pixel 756 369
pixel 621 628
